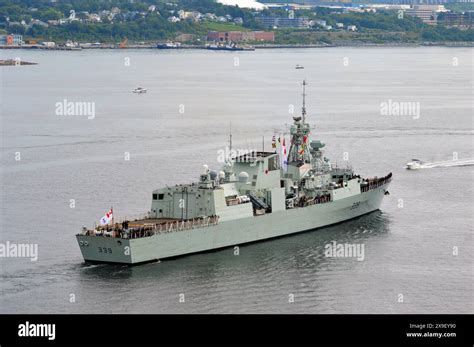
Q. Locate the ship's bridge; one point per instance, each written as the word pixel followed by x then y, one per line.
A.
pixel 263 169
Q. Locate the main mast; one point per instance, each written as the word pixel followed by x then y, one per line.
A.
pixel 303 109
pixel 299 133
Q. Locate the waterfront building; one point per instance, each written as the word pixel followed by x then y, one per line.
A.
pixel 11 40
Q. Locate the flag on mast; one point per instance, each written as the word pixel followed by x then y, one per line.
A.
pixel 283 156
pixel 107 218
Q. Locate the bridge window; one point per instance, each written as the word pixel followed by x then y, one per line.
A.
pixel 161 196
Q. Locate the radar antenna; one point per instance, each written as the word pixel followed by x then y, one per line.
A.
pixel 303 109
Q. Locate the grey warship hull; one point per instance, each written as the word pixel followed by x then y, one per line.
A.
pixel 165 244
pixel 256 196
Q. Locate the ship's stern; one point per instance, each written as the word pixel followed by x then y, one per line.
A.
pixel 102 249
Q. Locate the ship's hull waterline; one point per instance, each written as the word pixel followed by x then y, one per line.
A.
pixel 163 245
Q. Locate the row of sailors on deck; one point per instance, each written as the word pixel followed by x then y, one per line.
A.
pixel 123 230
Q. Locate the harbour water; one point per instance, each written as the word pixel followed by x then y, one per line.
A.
pixel 60 171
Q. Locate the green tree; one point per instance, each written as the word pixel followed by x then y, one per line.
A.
pixel 50 14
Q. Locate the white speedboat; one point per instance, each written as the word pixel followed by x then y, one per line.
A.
pixel 299 67
pixel 414 164
pixel 139 90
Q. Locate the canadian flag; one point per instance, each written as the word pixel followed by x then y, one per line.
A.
pixel 107 218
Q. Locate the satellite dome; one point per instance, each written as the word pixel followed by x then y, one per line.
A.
pixel 221 174
pixel 243 177
pixel 213 175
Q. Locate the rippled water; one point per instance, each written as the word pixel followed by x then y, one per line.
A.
pixel 408 244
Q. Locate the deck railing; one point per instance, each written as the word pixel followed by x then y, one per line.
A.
pixel 373 183
pixel 151 229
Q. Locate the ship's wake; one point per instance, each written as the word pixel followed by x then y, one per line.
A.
pixel 447 163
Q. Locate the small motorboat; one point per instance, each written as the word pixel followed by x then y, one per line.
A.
pixel 414 164
pixel 139 90
pixel 299 67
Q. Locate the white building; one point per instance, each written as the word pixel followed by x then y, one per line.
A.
pixel 173 19
pixel 320 22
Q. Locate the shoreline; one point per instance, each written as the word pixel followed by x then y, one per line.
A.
pixel 462 44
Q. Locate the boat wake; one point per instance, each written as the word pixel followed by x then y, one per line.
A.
pixel 416 164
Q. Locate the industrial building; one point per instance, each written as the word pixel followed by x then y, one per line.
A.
pixel 241 36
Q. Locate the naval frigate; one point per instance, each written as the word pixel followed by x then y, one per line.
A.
pixel 256 196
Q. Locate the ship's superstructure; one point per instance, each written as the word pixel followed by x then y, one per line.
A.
pixel 256 196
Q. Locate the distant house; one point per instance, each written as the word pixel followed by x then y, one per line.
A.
pixel 13 23
pixel 320 22
pixel 94 18
pixel 238 21
pixel 351 28
pixel 38 22
pixel 173 19
pixel 195 16
pixel 210 16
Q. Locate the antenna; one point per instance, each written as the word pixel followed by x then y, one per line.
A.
pixel 230 136
pixel 303 109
